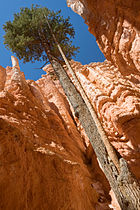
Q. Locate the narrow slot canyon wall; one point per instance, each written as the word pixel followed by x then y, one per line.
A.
pixel 43 162
pixel 114 85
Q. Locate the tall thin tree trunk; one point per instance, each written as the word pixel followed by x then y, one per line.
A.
pixel 123 183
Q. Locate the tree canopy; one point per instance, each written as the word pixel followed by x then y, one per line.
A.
pixel 23 34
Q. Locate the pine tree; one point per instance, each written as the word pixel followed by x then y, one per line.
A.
pixel 29 37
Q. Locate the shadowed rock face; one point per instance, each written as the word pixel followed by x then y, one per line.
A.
pixel 43 163
pixel 113 86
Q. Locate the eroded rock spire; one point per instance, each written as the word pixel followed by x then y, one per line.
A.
pixel 16 70
pixel 15 62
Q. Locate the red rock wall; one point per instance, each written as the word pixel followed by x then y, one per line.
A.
pixel 113 86
pixel 43 163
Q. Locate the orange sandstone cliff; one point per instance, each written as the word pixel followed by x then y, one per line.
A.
pixel 43 162
pixel 114 85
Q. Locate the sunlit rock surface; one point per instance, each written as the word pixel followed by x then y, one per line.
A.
pixel 43 161
pixel 116 100
pixel 114 86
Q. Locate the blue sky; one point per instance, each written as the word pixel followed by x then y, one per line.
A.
pixel 89 51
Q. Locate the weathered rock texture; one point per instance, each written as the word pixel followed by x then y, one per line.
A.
pixel 113 87
pixel 116 100
pixel 43 163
